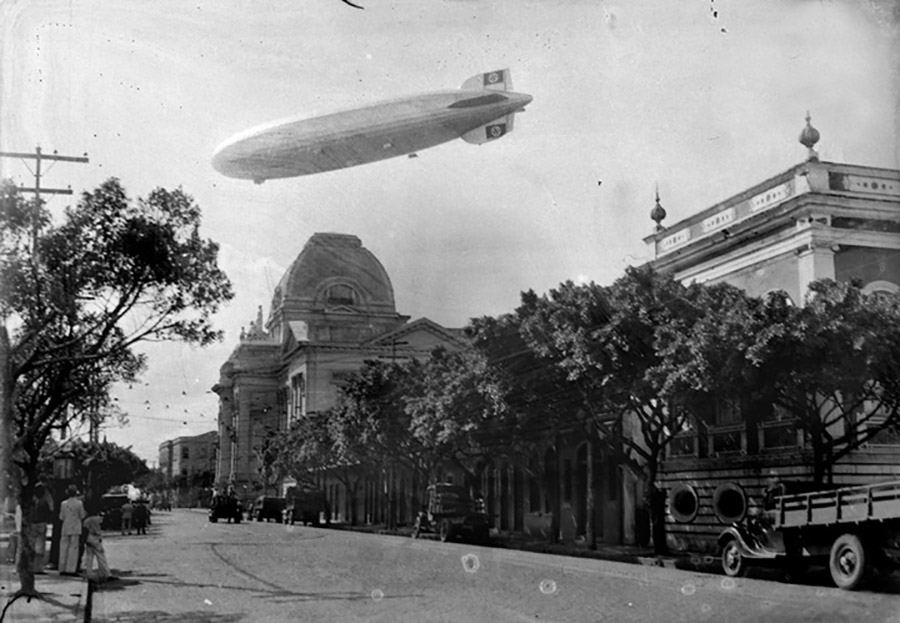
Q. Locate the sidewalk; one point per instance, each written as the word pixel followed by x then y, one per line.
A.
pixel 63 598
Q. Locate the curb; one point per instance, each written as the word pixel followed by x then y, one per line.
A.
pixel 683 562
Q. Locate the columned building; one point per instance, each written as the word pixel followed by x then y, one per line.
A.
pixel 815 220
pixel 332 310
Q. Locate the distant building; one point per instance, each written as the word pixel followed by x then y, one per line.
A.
pixel 815 220
pixel 188 456
pixel 332 310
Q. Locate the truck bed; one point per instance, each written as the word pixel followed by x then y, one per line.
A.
pixel 878 502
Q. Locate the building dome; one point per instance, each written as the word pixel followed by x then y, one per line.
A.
pixel 335 271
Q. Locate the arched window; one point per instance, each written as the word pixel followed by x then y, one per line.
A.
pixel 880 289
pixel 340 294
pixel 781 295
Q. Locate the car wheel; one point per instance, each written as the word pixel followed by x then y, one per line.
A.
pixel 848 562
pixel 733 562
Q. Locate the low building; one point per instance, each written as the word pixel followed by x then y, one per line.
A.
pixel 815 220
pixel 189 456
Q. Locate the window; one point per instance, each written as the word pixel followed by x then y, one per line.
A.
pixel 534 495
pixel 298 393
pixel 340 294
pixel 185 452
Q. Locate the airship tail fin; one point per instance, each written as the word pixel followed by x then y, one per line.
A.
pixel 490 131
pixel 498 80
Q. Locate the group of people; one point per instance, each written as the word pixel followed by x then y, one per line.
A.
pixel 77 521
pixel 135 516
pixel 80 530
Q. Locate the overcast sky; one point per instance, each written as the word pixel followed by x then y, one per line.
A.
pixel 703 98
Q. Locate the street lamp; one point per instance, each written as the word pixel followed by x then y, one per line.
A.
pixel 63 465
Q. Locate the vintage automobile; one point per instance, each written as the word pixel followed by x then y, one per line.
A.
pixel 854 531
pixel 111 510
pixel 225 507
pixel 451 512
pixel 306 505
pixel 267 507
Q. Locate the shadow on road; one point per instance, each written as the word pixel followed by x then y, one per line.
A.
pixel 158 616
pixel 274 593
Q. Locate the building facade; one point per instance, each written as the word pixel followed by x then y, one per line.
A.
pixel 332 310
pixel 189 456
pixel 816 220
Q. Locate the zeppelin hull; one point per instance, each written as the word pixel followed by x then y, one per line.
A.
pixel 387 130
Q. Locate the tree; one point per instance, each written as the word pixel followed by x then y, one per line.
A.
pixel 304 448
pixel 606 340
pixel 455 413
pixel 77 296
pixel 833 365
pixel 267 451
pixel 98 466
pixel 369 428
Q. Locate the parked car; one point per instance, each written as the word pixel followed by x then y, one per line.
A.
pixel 452 512
pixel 111 510
pixel 226 507
pixel 307 506
pixel 266 508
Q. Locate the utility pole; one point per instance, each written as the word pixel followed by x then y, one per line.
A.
pixel 39 157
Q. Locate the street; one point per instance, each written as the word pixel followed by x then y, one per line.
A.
pixel 187 569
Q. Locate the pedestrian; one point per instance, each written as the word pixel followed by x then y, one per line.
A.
pixel 127 512
pixel 71 514
pixel 140 518
pixel 41 515
pixel 93 545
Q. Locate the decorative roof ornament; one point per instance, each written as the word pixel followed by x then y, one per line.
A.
pixel 658 213
pixel 809 137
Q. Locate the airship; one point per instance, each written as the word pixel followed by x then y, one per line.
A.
pixel 481 110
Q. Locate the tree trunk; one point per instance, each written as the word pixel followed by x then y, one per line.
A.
pixel 590 533
pixel 25 560
pixel 655 500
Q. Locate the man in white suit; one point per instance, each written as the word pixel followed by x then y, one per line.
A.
pixel 71 513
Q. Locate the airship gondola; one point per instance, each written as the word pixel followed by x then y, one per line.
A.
pixel 481 110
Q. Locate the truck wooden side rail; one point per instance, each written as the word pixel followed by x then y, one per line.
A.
pixel 879 502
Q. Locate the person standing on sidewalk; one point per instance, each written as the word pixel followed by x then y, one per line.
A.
pixel 140 517
pixel 41 515
pixel 71 514
pixel 127 511
pixel 93 546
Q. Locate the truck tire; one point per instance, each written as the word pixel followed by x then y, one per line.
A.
pixel 848 562
pixel 733 562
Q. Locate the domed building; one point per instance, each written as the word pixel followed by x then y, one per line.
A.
pixel 332 310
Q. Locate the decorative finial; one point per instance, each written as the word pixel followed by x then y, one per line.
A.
pixel 809 137
pixel 658 213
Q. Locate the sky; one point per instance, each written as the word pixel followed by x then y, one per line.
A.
pixel 700 98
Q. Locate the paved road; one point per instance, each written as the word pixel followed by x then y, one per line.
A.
pixel 187 569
